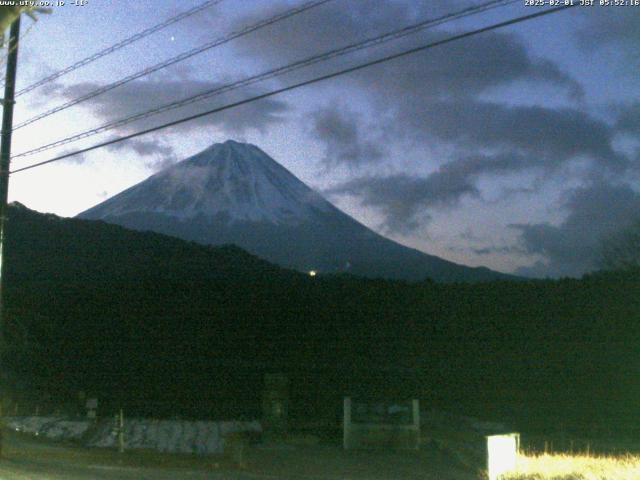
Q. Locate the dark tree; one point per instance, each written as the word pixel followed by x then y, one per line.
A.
pixel 622 250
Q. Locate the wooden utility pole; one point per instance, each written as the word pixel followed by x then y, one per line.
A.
pixel 5 159
pixel 5 151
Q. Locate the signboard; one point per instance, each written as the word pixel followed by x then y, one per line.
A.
pixel 502 454
pixel 380 424
pixel 386 413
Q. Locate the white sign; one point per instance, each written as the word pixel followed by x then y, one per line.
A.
pixel 502 454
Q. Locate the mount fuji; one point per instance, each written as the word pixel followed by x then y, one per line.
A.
pixel 234 193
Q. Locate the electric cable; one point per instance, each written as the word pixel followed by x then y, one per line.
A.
pixel 172 61
pixel 373 41
pixel 361 66
pixel 119 45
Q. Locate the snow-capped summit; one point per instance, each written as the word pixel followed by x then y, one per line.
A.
pixel 235 193
pixel 233 180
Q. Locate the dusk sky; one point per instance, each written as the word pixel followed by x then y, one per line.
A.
pixel 517 149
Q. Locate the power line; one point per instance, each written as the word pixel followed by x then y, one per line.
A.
pixel 119 45
pixel 361 66
pixel 179 58
pixel 377 40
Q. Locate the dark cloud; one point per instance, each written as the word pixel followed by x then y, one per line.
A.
pixel 144 147
pixel 629 118
pixel 574 247
pixel 345 144
pixel 556 135
pixel 433 100
pixel 320 29
pixel 140 96
pixel 78 158
pixel 162 155
pixel 463 69
pixel 45 93
pixel 157 154
pixel 470 167
pixel 522 139
pixel 467 67
pixel 606 26
pixel 405 200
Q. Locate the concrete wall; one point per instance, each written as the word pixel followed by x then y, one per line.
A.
pixel 174 436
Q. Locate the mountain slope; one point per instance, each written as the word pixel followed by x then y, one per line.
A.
pixel 162 327
pixel 235 193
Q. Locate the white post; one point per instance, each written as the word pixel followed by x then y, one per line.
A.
pixel 502 454
pixel 346 424
pixel 416 420
pixel 121 432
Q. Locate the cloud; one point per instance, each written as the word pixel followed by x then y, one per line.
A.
pixel 158 155
pixel 470 167
pixel 78 158
pixel 142 95
pixel 320 29
pixel 462 68
pixel 628 120
pixel 610 26
pixel 596 212
pixel 437 100
pixel 501 249
pixel 144 147
pixel 345 144
pixel 162 155
pixel 556 135
pixel 403 199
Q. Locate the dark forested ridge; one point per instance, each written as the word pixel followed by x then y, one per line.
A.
pixel 167 327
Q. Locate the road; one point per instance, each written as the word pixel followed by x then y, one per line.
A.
pixel 28 458
pixel 13 470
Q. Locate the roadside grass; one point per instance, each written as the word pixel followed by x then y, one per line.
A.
pixel 563 466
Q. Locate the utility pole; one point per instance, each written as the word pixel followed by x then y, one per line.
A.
pixel 5 152
pixel 5 159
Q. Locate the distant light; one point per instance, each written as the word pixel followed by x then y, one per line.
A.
pixel 312 273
